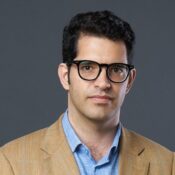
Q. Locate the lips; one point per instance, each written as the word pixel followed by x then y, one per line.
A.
pixel 101 99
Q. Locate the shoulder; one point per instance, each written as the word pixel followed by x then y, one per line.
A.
pixel 28 141
pixel 145 152
pixel 31 144
pixel 21 153
pixel 152 148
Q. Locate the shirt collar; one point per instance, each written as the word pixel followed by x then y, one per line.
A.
pixel 72 138
pixel 114 146
pixel 74 141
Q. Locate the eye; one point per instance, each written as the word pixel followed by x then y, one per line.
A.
pixel 117 69
pixel 87 66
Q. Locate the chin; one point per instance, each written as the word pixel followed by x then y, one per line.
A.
pixel 98 115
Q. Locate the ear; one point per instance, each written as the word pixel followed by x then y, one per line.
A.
pixel 63 75
pixel 131 79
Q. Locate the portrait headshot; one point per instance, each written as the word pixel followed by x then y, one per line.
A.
pixel 87 88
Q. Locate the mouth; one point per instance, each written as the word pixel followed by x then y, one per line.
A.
pixel 99 99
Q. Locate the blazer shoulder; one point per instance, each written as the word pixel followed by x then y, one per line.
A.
pixel 31 140
pixel 158 155
pixel 147 143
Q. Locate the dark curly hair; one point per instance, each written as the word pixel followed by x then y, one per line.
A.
pixel 101 24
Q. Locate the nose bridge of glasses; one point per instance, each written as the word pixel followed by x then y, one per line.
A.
pixel 106 69
pixel 103 65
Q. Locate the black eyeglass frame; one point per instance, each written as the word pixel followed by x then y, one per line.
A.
pixel 78 62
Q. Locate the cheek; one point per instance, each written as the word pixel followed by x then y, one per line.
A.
pixel 120 93
pixel 77 91
pixel 77 87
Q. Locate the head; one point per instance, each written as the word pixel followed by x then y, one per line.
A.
pixel 102 24
pixel 103 38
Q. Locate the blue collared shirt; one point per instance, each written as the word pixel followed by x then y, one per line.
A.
pixel 108 165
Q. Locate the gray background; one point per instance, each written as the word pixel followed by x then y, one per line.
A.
pixel 31 96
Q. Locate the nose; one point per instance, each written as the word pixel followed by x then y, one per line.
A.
pixel 102 80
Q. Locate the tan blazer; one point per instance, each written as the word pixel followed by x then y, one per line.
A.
pixel 46 152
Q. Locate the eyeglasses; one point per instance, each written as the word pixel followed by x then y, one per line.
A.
pixel 90 70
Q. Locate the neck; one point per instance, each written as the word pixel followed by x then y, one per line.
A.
pixel 96 135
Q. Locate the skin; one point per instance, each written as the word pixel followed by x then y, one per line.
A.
pixel 94 106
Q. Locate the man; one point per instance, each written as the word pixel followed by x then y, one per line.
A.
pixel 97 73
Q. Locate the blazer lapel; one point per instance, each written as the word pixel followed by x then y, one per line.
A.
pixel 59 160
pixel 131 155
pixel 57 156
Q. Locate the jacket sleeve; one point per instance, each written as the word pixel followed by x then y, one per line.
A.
pixel 5 167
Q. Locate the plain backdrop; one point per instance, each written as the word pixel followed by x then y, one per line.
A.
pixel 31 96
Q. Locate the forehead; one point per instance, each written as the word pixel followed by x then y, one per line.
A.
pixel 101 49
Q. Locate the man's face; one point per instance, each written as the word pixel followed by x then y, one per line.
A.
pixel 100 99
